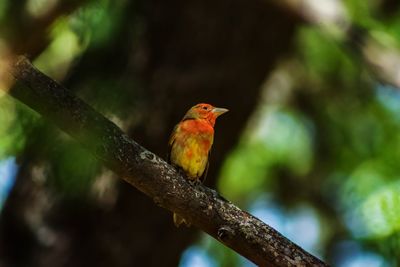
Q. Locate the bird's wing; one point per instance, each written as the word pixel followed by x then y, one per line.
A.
pixel 204 175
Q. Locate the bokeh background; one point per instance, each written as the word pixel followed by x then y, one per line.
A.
pixel 311 144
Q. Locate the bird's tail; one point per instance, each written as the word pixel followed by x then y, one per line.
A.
pixel 178 220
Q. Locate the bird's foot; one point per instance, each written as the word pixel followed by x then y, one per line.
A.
pixel 181 171
pixel 195 182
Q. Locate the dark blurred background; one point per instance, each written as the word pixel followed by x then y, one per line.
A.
pixel 311 144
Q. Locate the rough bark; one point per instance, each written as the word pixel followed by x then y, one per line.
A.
pixel 153 176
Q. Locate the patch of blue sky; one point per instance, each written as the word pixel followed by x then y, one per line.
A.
pixel 198 257
pixel 389 97
pixel 8 171
pixel 301 225
pixel 350 254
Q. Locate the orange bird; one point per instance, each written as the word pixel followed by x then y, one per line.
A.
pixel 190 143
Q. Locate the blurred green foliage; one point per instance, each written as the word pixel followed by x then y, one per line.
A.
pixel 346 140
pixel 280 139
pixel 362 12
pixel 15 122
pixel 331 146
pixel 73 169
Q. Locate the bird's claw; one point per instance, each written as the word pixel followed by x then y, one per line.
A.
pixel 195 182
pixel 181 171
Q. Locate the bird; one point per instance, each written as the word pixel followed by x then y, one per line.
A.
pixel 190 144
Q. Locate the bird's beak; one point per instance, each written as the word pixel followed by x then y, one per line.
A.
pixel 219 111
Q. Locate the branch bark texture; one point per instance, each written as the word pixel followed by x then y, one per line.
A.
pixel 202 206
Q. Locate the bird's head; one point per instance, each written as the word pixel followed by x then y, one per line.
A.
pixel 205 112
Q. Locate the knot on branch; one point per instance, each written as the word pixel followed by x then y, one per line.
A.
pixel 147 155
pixel 225 232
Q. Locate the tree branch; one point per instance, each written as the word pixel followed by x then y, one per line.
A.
pixel 150 174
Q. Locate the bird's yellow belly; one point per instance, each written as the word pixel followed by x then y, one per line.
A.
pixel 191 157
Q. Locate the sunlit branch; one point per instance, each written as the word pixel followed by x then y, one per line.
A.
pixel 202 206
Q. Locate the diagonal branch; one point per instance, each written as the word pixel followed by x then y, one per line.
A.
pixel 150 174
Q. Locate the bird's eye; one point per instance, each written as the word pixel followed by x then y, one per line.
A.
pixel 205 108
